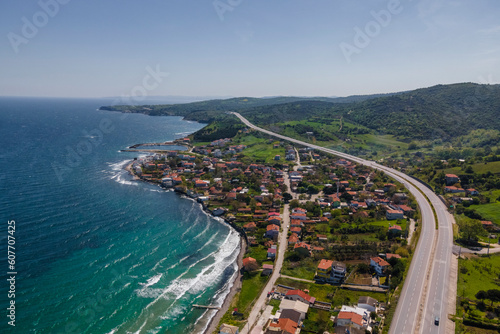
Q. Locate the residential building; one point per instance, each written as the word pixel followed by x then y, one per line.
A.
pixel 394 214
pixel 324 269
pixel 267 269
pixel 272 231
pixel 451 179
pixel 350 318
pixel 379 265
pixel 300 295
pixel 296 305
pixel 271 253
pixel 338 272
pixel 282 326
pixel 368 303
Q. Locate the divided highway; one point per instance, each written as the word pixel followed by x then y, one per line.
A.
pixel 426 291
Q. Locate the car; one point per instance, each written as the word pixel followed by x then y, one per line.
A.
pixel 436 321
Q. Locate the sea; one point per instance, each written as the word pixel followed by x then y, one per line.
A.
pixel 92 250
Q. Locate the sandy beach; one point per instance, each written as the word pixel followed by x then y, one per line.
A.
pixel 212 327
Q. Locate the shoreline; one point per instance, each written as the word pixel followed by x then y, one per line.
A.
pixel 236 287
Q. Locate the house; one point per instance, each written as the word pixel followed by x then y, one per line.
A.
pixel 296 305
pixel 394 214
pixel 350 318
pixel 282 326
pixel 395 230
pixel 267 269
pixel 202 184
pixel 453 189
pixel 338 272
pixel 389 256
pixel 228 329
pixel 472 192
pixel 274 220
pixel 451 179
pixel 487 224
pixel 290 314
pixel 300 295
pixel 218 211
pixel 368 303
pixel 272 231
pixel 324 269
pixel 250 227
pixel 302 247
pixel 249 264
pixel 379 265
pixel 321 237
pixel 331 271
pixel 271 253
pixel 296 230
pixel 277 157
pixel 300 216
pixel 293 239
pixel 406 209
pixel 299 210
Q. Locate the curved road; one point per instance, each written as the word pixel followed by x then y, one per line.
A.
pixel 426 289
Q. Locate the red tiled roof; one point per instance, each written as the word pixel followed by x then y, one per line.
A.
pixel 325 264
pixel 354 317
pixel 381 262
pixel 273 227
pixel 287 325
pixel 301 294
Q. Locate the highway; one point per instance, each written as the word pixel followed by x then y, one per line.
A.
pixel 426 290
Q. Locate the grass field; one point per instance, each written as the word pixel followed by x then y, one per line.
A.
pixel 385 223
pixel 306 269
pixel 489 211
pixel 259 253
pixel 322 292
pixel 479 168
pixel 250 289
pixel 478 274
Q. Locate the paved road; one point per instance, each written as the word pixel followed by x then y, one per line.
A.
pixel 254 317
pixel 426 288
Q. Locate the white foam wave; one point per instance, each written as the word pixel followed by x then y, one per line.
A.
pixel 152 281
pixel 122 258
pixel 225 256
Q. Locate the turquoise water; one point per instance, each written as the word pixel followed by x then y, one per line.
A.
pixel 97 252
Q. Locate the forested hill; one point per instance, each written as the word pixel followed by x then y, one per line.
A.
pixel 436 112
pixel 443 111
pixel 207 111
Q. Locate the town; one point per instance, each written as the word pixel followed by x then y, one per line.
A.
pixel 343 231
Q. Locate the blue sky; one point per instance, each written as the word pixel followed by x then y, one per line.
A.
pixel 103 48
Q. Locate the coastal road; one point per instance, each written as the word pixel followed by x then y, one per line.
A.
pixel 253 318
pixel 426 291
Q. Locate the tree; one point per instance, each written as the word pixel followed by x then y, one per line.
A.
pixel 493 295
pixel 481 294
pixel 287 197
pixel 470 229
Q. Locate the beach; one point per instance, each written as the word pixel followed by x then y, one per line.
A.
pixel 235 288
pixel 213 325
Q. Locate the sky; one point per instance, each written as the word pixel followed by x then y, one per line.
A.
pixel 108 48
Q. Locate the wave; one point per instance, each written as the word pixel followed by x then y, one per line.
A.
pixel 223 257
pixel 152 281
